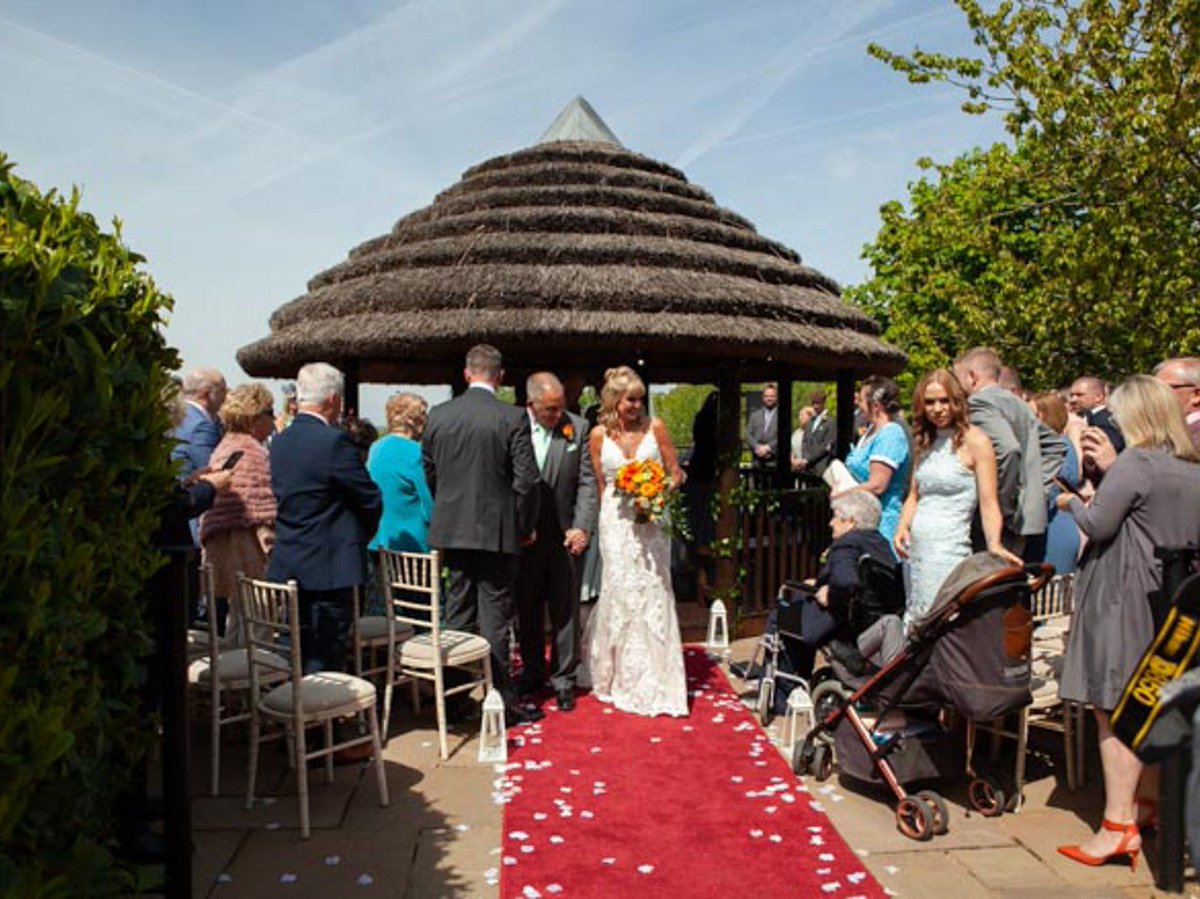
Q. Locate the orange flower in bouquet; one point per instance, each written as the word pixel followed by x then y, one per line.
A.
pixel 644 483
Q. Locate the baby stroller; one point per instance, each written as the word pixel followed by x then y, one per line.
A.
pixel 971 652
pixel 784 648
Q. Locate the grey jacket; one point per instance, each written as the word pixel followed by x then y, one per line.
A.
pixel 758 431
pixel 571 477
pixel 1016 437
pixel 816 447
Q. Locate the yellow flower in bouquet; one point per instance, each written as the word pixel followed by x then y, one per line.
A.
pixel 644 483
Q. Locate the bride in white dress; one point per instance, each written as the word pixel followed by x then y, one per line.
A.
pixel 633 657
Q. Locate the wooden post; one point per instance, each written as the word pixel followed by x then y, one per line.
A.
pixel 350 393
pixel 845 412
pixel 729 430
pixel 785 416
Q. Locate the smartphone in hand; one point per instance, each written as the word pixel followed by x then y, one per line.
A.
pixel 232 460
pixel 1067 488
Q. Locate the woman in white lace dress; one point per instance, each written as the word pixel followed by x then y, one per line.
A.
pixel 633 657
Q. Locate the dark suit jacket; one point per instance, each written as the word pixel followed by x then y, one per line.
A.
pixel 196 438
pixel 816 446
pixel 571 478
pixel 479 464
pixel 328 510
pixel 1103 419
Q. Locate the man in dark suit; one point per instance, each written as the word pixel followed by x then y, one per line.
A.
pixel 816 444
pixel 550 569
pixel 1087 397
pixel 479 463
pixel 328 509
pixel 762 428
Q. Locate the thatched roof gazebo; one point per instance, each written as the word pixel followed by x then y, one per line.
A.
pixel 573 255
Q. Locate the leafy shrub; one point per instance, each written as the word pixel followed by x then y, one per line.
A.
pixel 84 473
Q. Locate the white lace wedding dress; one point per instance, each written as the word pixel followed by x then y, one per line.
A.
pixel 632 655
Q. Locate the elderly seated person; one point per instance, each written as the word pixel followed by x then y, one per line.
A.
pixel 826 612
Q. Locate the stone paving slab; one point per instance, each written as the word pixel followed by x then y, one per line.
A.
pixel 441 834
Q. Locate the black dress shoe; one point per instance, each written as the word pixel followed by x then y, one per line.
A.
pixel 746 671
pixel 522 713
pixel 848 656
pixel 565 699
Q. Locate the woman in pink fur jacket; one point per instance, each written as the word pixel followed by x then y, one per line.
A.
pixel 237 533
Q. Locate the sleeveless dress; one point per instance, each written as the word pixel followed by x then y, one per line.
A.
pixel 633 656
pixel 941 528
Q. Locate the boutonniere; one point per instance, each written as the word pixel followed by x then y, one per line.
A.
pixel 568 431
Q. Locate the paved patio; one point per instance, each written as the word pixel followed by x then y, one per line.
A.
pixel 440 836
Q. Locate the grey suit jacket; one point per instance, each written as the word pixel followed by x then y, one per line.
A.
pixel 571 477
pixel 1016 438
pixel 757 431
pixel 479 463
pixel 816 447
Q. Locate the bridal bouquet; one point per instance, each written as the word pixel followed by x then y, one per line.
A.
pixel 644 483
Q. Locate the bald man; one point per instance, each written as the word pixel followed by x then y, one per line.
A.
pixel 548 579
pixel 1087 398
pixel 1182 375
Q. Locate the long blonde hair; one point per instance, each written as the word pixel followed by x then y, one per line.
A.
pixel 1148 415
pixel 618 382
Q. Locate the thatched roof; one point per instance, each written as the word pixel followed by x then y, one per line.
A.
pixel 573 255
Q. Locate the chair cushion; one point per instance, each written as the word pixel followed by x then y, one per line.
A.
pixel 197 641
pixel 325 691
pixel 374 627
pixel 233 666
pixel 458 648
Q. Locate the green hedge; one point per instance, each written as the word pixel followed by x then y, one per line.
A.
pixel 84 474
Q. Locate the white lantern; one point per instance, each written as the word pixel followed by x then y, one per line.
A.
pixel 718 628
pixel 800 718
pixel 493 744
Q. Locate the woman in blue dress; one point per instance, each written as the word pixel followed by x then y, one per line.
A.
pixel 394 463
pixel 880 459
pixel 955 472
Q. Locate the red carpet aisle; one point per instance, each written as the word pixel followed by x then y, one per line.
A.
pixel 599 803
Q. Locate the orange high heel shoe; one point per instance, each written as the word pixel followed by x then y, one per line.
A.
pixel 1129 831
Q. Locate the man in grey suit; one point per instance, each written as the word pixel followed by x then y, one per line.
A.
pixel 816 444
pixel 479 463
pixel 552 564
pixel 762 428
pixel 1026 460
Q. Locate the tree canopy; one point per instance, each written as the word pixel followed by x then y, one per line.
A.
pixel 1078 248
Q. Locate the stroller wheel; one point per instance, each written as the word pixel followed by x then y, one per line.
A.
pixel 766 698
pixel 986 796
pixel 937 806
pixel 914 819
pixel 827 697
pixel 802 756
pixel 822 762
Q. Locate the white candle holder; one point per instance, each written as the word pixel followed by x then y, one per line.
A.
pixel 801 718
pixel 718 628
pixel 493 744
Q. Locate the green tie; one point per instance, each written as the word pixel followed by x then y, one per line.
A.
pixel 541 444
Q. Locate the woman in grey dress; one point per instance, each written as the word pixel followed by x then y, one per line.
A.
pixel 1149 497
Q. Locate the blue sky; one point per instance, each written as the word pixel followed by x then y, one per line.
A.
pixel 249 145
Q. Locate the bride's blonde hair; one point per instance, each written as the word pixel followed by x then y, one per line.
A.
pixel 618 382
